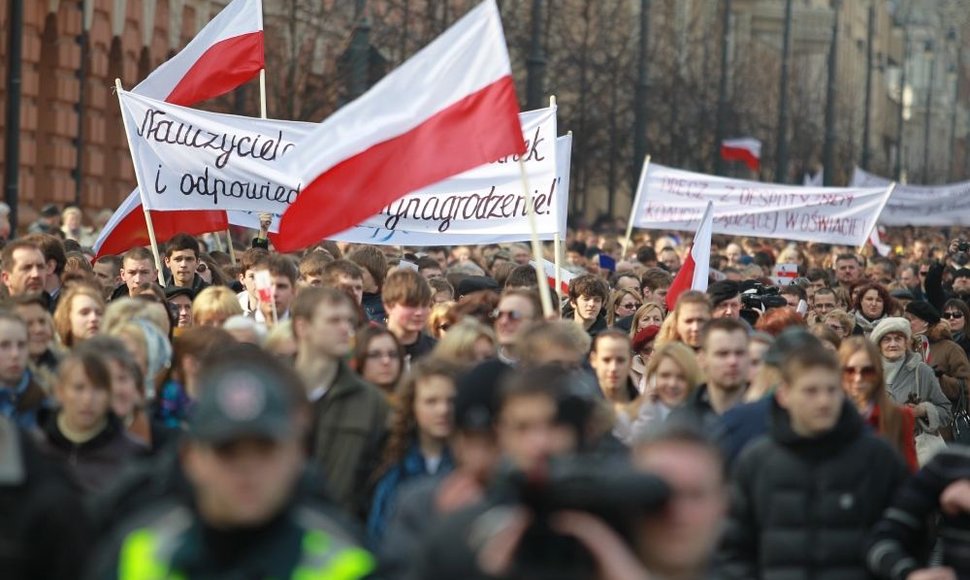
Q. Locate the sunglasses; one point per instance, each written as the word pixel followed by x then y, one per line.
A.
pixel 512 314
pixel 866 372
pixel 630 305
pixel 952 315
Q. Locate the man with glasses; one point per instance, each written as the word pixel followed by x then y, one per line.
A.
pixel 825 301
pixel 516 308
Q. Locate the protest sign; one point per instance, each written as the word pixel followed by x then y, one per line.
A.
pixel 461 231
pixel 191 159
pixel 783 274
pixel 920 205
pixel 673 199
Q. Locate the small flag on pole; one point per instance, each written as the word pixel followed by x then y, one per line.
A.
pixel 694 273
pixel 746 150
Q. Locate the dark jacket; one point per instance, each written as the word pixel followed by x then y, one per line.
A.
pixel 415 515
pixel 898 544
pixel 198 284
pixel 801 507
pixel 420 347
pixel 599 325
pixel 697 412
pixel 349 425
pixel 373 306
pixel 95 463
pixel 742 425
pixel 44 530
pixel 120 291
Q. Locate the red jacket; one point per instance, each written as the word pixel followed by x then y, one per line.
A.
pixel 905 440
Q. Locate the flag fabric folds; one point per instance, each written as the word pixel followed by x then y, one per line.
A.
pixel 449 108
pixel 746 150
pixel 225 54
pixel 694 272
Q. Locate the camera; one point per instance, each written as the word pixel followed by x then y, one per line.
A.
pixel 607 488
pixel 757 296
pixel 963 246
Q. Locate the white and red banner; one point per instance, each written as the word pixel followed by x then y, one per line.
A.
pixel 693 274
pixel 448 109
pixel 673 199
pixel 920 205
pixel 226 53
pixel 495 184
pixel 190 159
pixel 747 150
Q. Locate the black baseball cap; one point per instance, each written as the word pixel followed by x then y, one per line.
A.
pixel 241 401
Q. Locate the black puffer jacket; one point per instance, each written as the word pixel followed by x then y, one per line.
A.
pixel 801 508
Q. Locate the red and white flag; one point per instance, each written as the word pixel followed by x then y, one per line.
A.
pixel 696 268
pixel 225 54
pixel 449 108
pixel 746 149
pixel 565 276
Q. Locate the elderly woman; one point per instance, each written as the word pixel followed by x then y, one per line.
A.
pixel 910 381
pixel 872 303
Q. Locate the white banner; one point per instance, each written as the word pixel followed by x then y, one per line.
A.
pixel 188 159
pixel 463 232
pixel 673 199
pixel 920 205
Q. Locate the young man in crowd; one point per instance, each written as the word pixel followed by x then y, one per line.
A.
pixel 688 318
pixel 246 513
pixel 429 268
pixel 349 415
pixel 182 260
pixel 655 283
pixel 587 295
pixel 312 266
pixel 723 359
pixel 24 268
pixel 345 275
pixel 282 272
pixel 804 498
pixel 107 271
pixel 407 301
pixel 137 268
pixel 823 302
pixel 373 264
pixel 248 299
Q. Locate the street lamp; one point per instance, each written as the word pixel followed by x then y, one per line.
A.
pixel 931 62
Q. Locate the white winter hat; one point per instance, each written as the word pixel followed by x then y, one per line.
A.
pixel 893 324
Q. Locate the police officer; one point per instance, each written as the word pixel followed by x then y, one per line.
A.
pixel 243 457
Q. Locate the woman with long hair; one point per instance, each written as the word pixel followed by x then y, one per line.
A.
pixel 623 302
pixel 650 314
pixel 78 314
pixel 864 383
pixel 671 376
pixel 379 359
pixel 417 445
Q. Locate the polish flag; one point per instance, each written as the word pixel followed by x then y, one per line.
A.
pixel 693 274
pixel 225 54
pixel 565 276
pixel 449 108
pixel 746 150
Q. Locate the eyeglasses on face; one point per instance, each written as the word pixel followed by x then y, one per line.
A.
pixel 511 314
pixel 630 305
pixel 953 315
pixel 867 372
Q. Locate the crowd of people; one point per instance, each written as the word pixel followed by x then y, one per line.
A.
pixel 359 411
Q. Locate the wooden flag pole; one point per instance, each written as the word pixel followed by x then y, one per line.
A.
pixel 557 239
pixel 537 257
pixel 141 191
pixel 636 203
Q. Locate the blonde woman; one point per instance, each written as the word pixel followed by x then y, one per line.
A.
pixel 441 319
pixel 671 376
pixel 467 343
pixel 214 305
pixel 79 314
pixel 650 314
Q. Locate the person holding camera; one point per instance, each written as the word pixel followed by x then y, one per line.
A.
pixel 957 260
